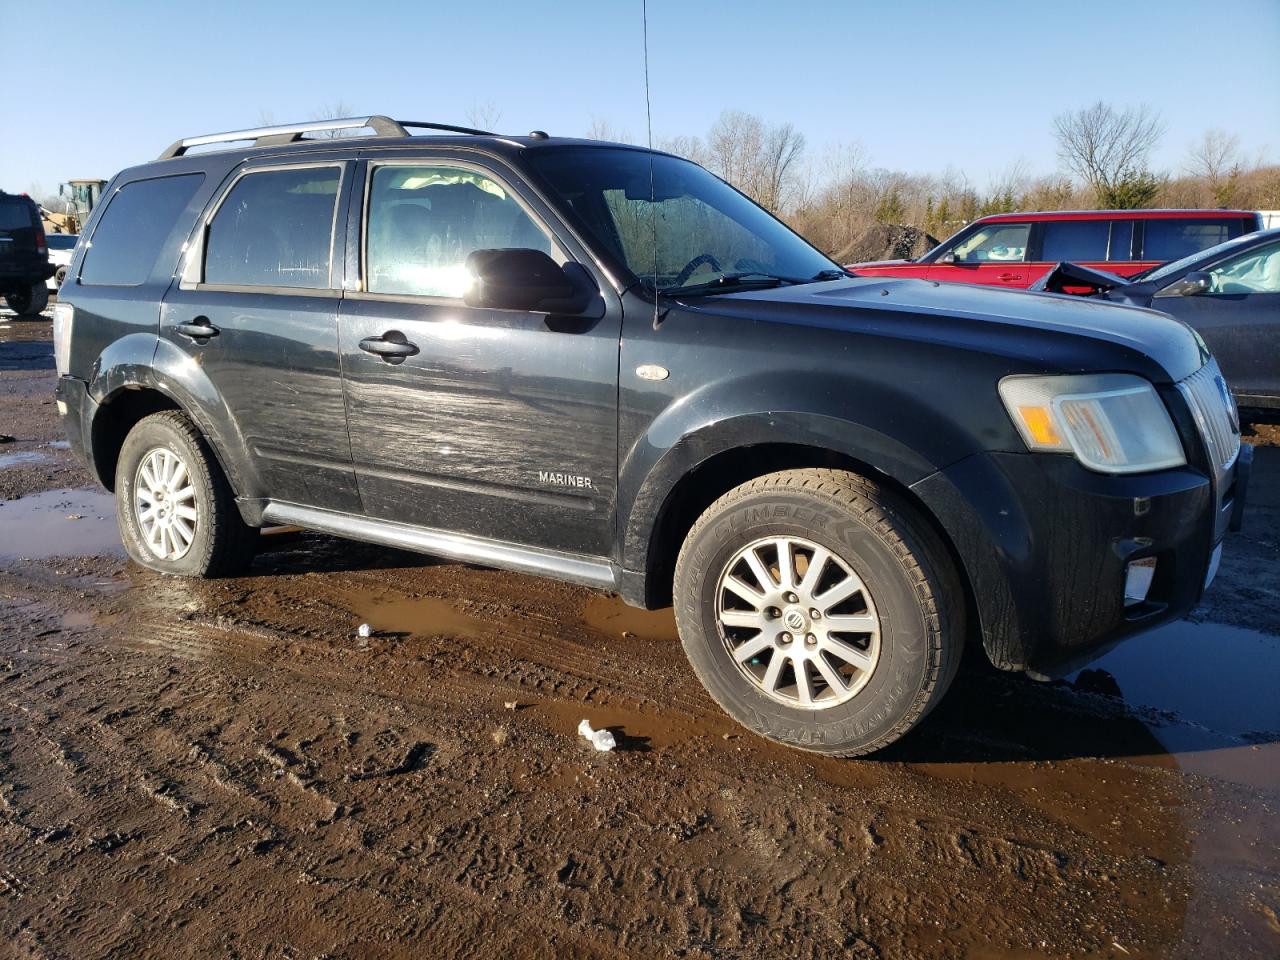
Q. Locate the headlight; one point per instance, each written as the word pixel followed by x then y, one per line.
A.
pixel 1112 422
pixel 63 316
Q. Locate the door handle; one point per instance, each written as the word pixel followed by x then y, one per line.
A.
pixel 1008 276
pixel 391 346
pixel 199 329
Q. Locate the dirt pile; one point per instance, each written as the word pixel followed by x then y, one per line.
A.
pixel 887 241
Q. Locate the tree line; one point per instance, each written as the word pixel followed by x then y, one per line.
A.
pixel 836 198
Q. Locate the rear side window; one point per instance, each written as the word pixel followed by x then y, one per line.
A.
pixel 1173 239
pixel 134 227
pixel 1075 240
pixel 274 229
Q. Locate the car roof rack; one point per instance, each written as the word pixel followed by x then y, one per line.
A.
pixel 292 132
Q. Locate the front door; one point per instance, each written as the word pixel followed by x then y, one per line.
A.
pixel 995 255
pixel 500 424
pixel 1239 319
pixel 257 312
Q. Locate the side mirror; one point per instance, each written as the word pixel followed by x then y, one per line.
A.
pixel 1192 285
pixel 522 279
pixel 947 258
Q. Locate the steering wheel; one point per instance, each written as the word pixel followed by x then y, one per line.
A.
pixel 694 264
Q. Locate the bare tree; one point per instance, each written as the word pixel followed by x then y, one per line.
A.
pixel 755 158
pixel 1214 155
pixel 602 129
pixel 1108 149
pixel 484 116
pixel 334 110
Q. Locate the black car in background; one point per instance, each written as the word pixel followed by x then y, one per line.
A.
pixel 24 255
pixel 1229 293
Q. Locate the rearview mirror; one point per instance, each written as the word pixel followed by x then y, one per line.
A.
pixel 523 279
pixel 1191 285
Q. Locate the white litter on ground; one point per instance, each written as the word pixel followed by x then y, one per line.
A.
pixel 600 739
pixel 364 630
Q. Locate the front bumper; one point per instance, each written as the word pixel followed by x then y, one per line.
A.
pixel 1046 543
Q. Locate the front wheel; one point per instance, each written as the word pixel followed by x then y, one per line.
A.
pixel 174 507
pixel 819 610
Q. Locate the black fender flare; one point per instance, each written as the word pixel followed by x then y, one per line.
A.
pixel 145 362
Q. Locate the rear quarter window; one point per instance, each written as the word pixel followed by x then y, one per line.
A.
pixel 133 228
pixel 1173 239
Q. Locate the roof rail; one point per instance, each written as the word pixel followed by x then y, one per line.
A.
pixel 292 132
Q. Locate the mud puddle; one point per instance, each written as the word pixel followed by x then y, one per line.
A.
pixel 22 458
pixel 611 616
pixel 1207 694
pixel 59 523
pixel 425 617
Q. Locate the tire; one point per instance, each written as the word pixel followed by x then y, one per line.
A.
pixel 889 607
pixel 183 526
pixel 59 276
pixel 29 303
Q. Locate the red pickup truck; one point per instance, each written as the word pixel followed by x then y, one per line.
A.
pixel 1017 249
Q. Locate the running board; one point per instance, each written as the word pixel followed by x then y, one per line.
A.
pixel 454 546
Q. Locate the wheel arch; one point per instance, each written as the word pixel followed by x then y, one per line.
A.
pixel 706 465
pixel 132 388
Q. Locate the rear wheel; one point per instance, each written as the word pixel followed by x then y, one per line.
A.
pixel 30 301
pixel 174 507
pixel 819 610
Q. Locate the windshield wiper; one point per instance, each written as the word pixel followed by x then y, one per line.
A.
pixel 731 281
pixel 832 274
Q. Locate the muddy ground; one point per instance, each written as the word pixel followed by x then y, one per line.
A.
pixel 227 769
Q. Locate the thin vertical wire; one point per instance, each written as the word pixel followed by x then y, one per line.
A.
pixel 648 118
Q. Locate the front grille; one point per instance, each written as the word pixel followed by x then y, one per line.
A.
pixel 1215 414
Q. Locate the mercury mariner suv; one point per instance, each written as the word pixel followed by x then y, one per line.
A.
pixel 601 363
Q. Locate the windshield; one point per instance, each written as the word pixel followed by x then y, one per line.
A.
pixel 683 231
pixel 1170 269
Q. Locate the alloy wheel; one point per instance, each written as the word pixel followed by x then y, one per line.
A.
pixel 164 502
pixel 798 622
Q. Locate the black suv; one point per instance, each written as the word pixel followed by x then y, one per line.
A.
pixel 603 364
pixel 24 255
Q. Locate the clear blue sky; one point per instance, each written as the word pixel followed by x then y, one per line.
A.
pixel 921 85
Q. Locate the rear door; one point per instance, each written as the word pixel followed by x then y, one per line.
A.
pixel 500 424
pixel 256 309
pixel 1239 319
pixel 994 254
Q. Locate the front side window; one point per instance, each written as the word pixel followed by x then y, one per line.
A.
pixel 675 226
pixel 138 219
pixel 424 221
pixel 1074 240
pixel 62 241
pixel 1172 239
pixel 1257 271
pixel 274 229
pixel 994 243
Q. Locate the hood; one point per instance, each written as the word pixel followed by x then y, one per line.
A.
pixel 1053 333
